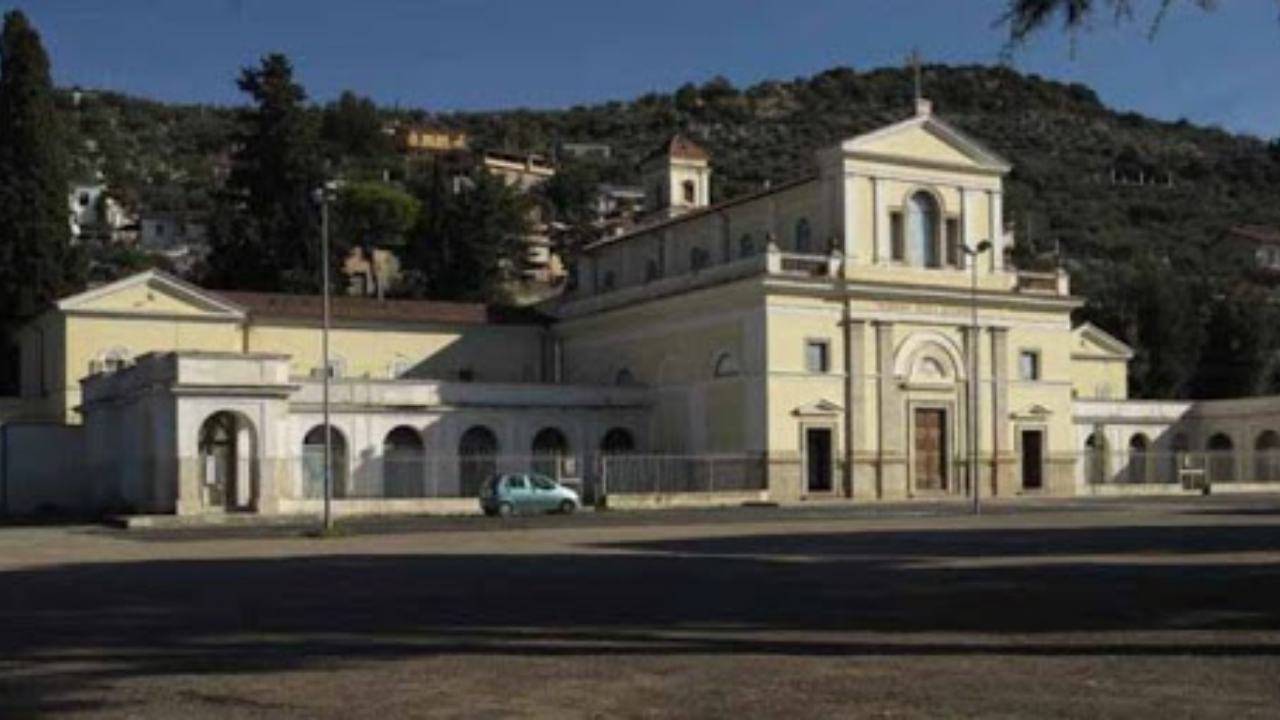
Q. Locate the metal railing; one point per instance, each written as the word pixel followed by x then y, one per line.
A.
pixel 676 474
pixel 1189 469
pixel 416 475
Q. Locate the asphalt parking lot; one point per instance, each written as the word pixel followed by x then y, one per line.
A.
pixel 1070 609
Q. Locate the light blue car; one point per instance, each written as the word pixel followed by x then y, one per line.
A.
pixel 512 493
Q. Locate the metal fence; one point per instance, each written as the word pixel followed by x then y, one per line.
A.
pixel 416 475
pixel 1188 469
pixel 669 474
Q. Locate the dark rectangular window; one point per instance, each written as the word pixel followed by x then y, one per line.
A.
pixel 897 236
pixel 1029 365
pixel 816 356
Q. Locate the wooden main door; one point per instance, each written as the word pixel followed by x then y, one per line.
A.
pixel 931 449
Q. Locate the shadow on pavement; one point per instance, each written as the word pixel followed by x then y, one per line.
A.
pixel 791 595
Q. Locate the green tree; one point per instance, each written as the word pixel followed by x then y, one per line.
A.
pixel 264 233
pixel 352 128
pixel 1168 332
pixel 37 261
pixel 1240 345
pixel 467 244
pixel 369 215
pixel 1025 17
pixel 568 200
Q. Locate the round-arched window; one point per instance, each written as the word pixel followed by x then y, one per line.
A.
pixel 922 230
pixel 804 236
pixel 726 365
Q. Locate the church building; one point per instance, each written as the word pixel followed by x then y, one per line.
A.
pixel 852 333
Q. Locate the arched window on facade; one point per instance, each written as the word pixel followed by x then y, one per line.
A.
pixel 1222 458
pixel 477 459
pixel 112 360
pixel 1139 446
pixel 690 189
pixel 313 462
pixel 624 378
pixel 617 441
pixel 550 451
pixel 1095 455
pixel 726 365
pixel 403 464
pixel 922 230
pixel 804 236
pixel 1266 457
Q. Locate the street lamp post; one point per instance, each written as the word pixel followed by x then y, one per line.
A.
pixel 972 436
pixel 322 195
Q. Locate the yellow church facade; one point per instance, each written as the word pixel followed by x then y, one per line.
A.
pixel 828 323
pixel 852 332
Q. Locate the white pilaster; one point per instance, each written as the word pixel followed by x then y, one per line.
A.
pixel 879 231
pixel 996 199
pixel 848 224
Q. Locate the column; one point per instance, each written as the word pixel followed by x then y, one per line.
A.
pixel 847 227
pixel 862 477
pixel 972 403
pixel 1003 464
pixel 879 233
pixel 891 450
pixel 996 200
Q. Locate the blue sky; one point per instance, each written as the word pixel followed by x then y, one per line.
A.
pixel 1220 68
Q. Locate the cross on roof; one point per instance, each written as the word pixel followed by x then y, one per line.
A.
pixel 914 60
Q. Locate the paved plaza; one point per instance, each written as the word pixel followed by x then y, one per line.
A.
pixel 1067 609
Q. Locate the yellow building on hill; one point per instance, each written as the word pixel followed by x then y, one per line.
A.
pixel 848 334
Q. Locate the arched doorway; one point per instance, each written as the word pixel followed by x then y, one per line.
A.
pixel 227 470
pixel 1222 458
pixel 1266 457
pixel 403 463
pixel 1095 457
pixel 477 459
pixel 1138 465
pixel 550 448
pixel 313 462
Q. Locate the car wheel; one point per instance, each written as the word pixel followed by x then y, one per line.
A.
pixel 567 507
pixel 506 510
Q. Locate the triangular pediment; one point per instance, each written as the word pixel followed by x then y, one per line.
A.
pixel 824 408
pixel 153 293
pixel 925 139
pixel 1090 341
pixel 1035 411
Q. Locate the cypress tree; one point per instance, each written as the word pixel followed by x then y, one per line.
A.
pixel 265 229
pixel 37 261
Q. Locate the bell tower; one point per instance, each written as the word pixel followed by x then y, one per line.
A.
pixel 676 177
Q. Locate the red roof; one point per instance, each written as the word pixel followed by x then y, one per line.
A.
pixel 342 307
pixel 1257 233
pixel 679 146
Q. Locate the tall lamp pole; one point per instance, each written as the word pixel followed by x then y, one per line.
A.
pixel 322 195
pixel 972 436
